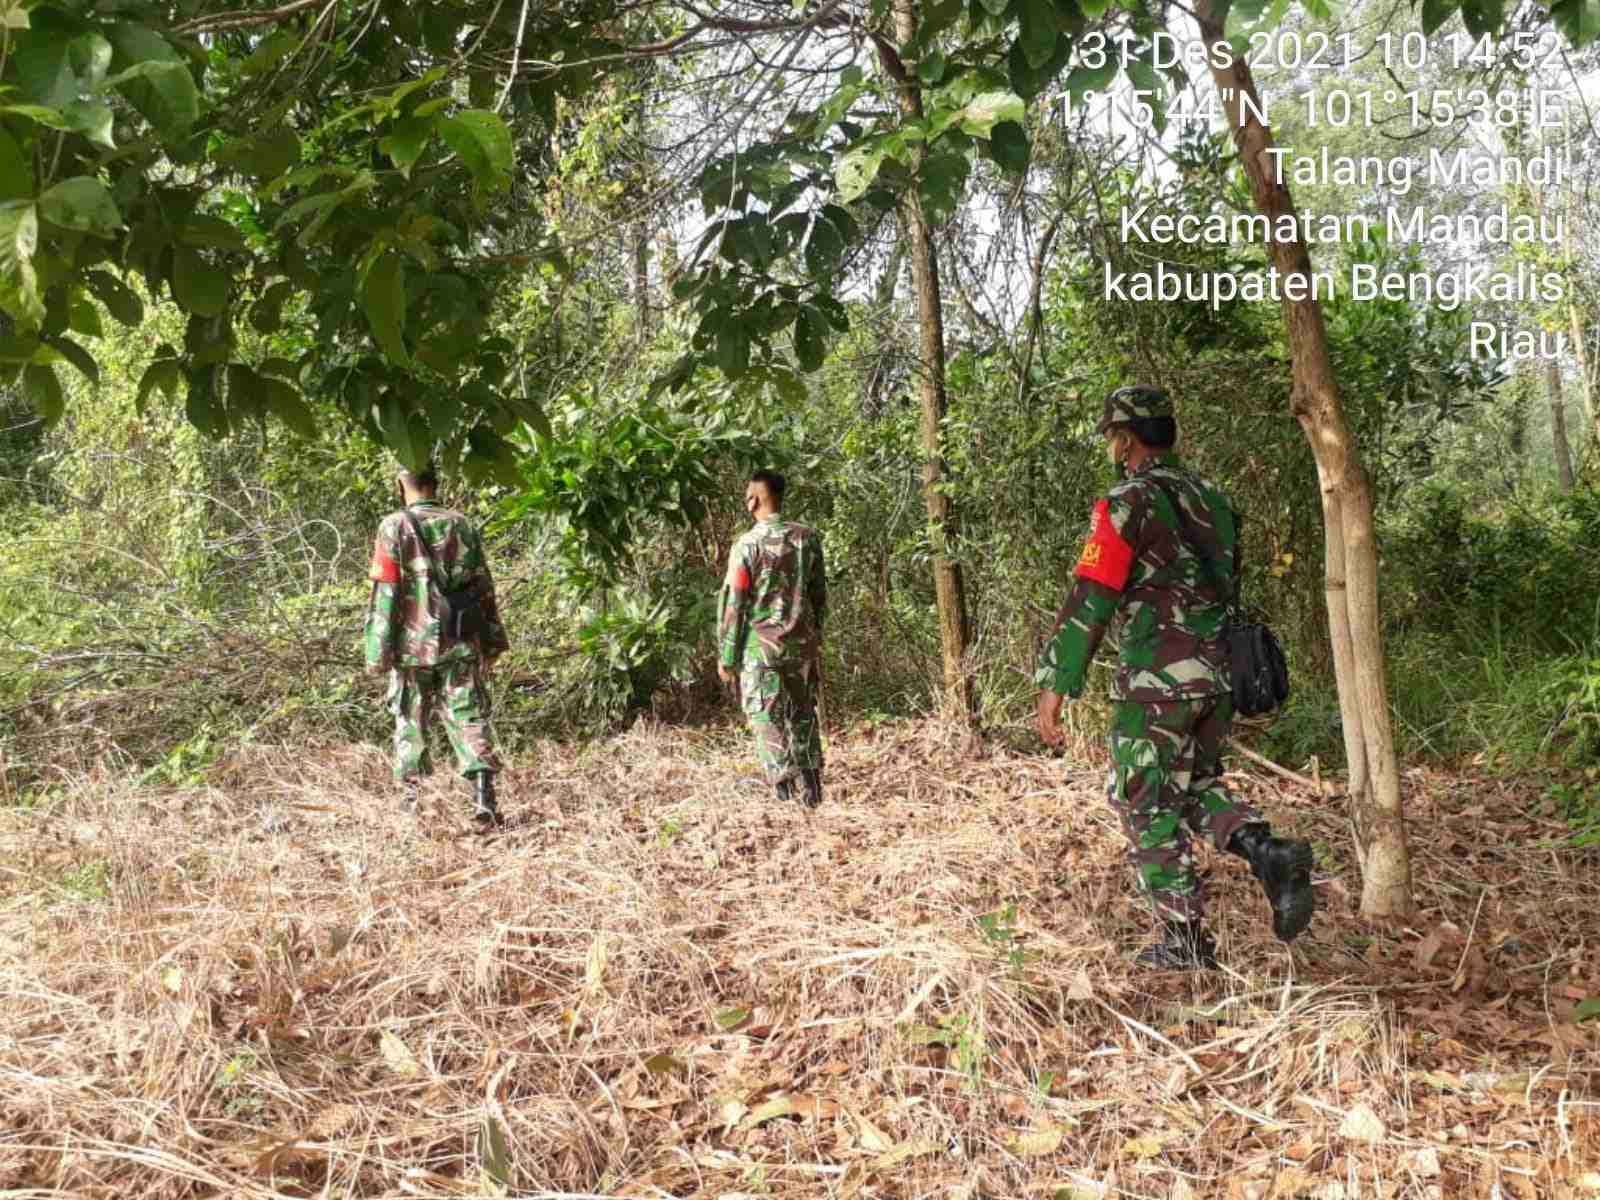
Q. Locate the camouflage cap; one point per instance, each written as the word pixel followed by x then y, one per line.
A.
pixel 1134 404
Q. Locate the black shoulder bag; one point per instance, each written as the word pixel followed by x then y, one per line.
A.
pixel 1256 663
pixel 461 614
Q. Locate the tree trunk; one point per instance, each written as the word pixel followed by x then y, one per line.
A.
pixel 1351 560
pixel 1558 423
pixel 640 235
pixel 960 697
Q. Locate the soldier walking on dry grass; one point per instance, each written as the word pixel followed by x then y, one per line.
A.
pixel 769 631
pixel 434 626
pixel 1159 566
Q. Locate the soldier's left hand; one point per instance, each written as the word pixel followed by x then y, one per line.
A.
pixel 1050 717
pixel 726 675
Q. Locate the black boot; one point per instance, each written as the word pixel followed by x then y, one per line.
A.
pixel 409 788
pixel 785 790
pixel 1186 946
pixel 1283 865
pixel 485 812
pixel 811 779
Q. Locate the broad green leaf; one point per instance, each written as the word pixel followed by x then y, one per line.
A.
pixel 92 119
pixel 1039 30
pixel 19 238
pixel 266 156
pixel 43 389
pixel 530 411
pixel 163 373
pixel 271 52
pixel 203 406
pixel 995 8
pixel 320 203
pixel 1578 20
pixel 1027 80
pixel 394 422
pixel 90 56
pixel 1091 79
pixel 406 140
pixel 41 60
pixel 810 338
pixel 931 67
pixel 83 204
pixel 491 457
pixel 1587 1010
pixel 733 349
pixel 120 300
pixel 200 287
pixel 990 108
pixel 1008 144
pixel 823 248
pixel 155 79
pixel 1484 16
pixel 203 229
pixel 18 348
pixel 39 114
pixel 284 402
pixel 266 314
pixel 484 144
pixel 1435 13
pixel 13 15
pixel 16 172
pixel 83 317
pixel 76 355
pixel 494 1153
pixel 856 171
pixel 383 297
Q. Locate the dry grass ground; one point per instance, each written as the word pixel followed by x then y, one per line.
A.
pixel 655 983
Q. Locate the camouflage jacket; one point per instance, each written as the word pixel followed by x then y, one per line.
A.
pixel 1138 578
pixel 774 588
pixel 403 627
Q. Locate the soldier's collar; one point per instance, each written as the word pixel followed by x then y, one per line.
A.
pixel 426 500
pixel 772 519
pixel 1167 458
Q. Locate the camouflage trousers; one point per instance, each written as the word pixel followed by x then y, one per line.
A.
pixel 456 691
pixel 1166 785
pixel 780 702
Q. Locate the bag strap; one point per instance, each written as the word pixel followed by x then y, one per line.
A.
pixel 1186 534
pixel 434 581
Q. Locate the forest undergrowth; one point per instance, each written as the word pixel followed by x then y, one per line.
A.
pixel 654 982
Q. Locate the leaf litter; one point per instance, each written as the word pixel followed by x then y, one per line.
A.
pixel 923 988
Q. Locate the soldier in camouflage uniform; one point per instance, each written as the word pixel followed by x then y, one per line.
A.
pixel 429 669
pixel 1140 576
pixel 769 632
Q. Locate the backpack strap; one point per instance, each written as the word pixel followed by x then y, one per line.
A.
pixel 434 581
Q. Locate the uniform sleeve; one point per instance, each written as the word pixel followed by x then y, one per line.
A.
pixel 494 641
pixel 733 608
pixel 383 608
pixel 1102 572
pixel 817 586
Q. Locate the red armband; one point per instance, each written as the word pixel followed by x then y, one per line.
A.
pixel 1106 557
pixel 741 579
pixel 384 569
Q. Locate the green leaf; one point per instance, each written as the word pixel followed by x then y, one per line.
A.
pixel 15 348
pixel 492 457
pixel 995 8
pixel 1008 145
pixel 284 402
pixel 394 422
pixel 83 317
pixel 39 114
pixel 1039 30
pixel 494 1154
pixel 92 119
pixel 43 389
pixel 1587 1010
pixel 1578 20
pixel 16 172
pixel 83 204
pixel 484 144
pixel 19 237
pixel 406 140
pixel 985 111
pixel 733 349
pixel 120 300
pixel 810 338
pixel 823 248
pixel 41 59
pixel 203 406
pixel 1091 79
pixel 163 373
pixel 203 229
pixel 198 286
pixel 1028 80
pixel 265 156
pixel 931 67
pixel 266 314
pixel 383 297
pixel 90 56
pixel 1484 16
pixel 154 78
pixel 1435 13
pixel 76 355
pixel 729 1019
pixel 856 171
pixel 531 412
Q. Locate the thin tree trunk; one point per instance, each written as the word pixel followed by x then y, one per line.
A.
pixel 960 697
pixel 1558 423
pixel 1351 560
pixel 640 231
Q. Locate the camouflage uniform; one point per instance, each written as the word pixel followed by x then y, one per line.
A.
pixel 1138 579
pixel 404 636
pixel 769 629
